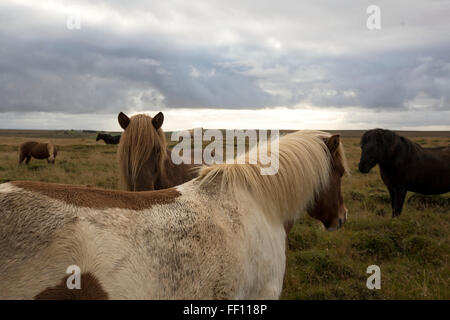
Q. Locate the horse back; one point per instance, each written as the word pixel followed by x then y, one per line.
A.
pixel 40 151
pixel 26 147
pixel 428 172
pixel 116 139
pixel 62 217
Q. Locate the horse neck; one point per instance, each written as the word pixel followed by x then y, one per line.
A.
pixel 174 174
pixel 163 180
pixel 390 160
pixel 281 197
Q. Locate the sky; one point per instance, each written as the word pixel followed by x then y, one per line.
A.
pixel 225 64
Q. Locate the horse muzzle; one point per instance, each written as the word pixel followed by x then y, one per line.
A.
pixel 363 168
pixel 340 222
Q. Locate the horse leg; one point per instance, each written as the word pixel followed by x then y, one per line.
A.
pixel 397 199
pixel 21 158
pixel 28 158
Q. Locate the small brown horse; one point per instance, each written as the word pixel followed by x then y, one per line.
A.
pixel 37 150
pixel 144 160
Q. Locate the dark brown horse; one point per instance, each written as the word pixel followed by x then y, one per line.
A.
pixel 405 165
pixel 145 162
pixel 37 150
pixel 109 139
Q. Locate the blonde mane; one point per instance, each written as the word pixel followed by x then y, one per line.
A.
pixel 135 147
pixel 304 169
pixel 51 150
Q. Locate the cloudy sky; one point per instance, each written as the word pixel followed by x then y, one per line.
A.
pixel 225 64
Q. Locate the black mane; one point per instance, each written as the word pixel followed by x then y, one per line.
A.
pixel 392 139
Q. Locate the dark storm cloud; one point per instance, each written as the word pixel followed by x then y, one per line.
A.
pixel 79 75
pixel 149 56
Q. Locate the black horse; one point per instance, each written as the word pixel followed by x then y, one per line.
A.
pixel 405 165
pixel 109 139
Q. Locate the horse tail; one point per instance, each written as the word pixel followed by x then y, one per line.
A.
pixel 21 157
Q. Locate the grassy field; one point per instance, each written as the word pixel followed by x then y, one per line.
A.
pixel 412 250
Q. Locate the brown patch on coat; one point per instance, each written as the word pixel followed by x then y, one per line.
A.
pixel 97 198
pixel 91 289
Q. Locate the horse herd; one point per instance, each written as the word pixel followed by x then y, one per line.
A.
pixel 189 231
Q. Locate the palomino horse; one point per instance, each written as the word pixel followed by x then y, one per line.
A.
pixel 145 162
pixel 37 150
pixel 405 165
pixel 109 139
pixel 219 236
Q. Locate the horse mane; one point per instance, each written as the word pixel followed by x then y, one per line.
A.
pixel 389 138
pixel 51 149
pixel 304 163
pixel 135 147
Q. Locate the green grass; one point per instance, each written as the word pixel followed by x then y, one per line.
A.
pixel 412 250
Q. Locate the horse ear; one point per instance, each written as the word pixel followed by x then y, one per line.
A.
pixel 158 120
pixel 124 121
pixel 333 142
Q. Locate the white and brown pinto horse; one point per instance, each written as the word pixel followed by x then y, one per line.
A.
pixel 219 236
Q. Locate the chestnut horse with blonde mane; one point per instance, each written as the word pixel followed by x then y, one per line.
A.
pixel 37 150
pixel 219 236
pixel 145 162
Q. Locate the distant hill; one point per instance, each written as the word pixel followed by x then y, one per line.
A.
pixel 88 133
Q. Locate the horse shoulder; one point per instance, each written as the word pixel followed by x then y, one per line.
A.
pixel 268 241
